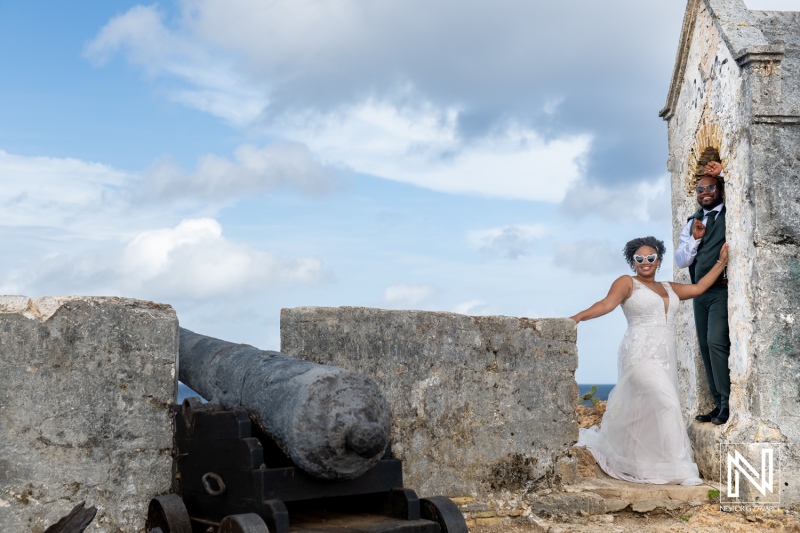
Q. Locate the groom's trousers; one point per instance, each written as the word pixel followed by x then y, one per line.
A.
pixel 711 321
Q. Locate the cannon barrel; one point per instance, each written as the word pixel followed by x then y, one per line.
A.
pixel 333 423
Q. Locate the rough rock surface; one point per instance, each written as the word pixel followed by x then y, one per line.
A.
pixel 686 519
pixel 591 416
pixel 85 389
pixel 480 405
pixel 333 423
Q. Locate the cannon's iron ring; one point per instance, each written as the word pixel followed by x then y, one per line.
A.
pixel 213 484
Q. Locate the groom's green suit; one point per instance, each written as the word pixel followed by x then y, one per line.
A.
pixel 711 310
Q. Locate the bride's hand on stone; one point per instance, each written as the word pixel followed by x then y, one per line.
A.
pixel 723 254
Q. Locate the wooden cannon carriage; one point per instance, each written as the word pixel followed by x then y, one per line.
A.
pixel 232 477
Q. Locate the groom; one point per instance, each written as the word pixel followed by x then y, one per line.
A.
pixel 700 243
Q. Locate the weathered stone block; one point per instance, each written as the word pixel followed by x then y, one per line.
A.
pixel 613 505
pixel 488 521
pixel 559 504
pixel 480 404
pixel 85 389
pixel 776 188
pixel 705 444
pixel 646 506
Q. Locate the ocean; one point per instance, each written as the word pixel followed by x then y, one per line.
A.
pixel 601 394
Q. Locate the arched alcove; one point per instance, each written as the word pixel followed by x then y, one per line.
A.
pixel 706 148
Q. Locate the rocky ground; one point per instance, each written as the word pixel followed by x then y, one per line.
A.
pixel 706 518
pixel 600 504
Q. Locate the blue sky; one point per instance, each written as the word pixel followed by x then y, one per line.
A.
pixel 234 157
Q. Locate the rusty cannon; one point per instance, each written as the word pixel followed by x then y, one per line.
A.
pixel 286 445
pixel 332 423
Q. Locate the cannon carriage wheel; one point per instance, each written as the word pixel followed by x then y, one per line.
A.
pixel 443 511
pixel 168 514
pixel 243 523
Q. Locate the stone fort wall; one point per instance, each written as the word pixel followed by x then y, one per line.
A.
pixel 483 407
pixel 85 389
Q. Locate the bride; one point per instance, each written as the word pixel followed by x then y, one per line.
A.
pixel 643 437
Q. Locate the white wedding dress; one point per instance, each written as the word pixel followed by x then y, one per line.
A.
pixel 642 437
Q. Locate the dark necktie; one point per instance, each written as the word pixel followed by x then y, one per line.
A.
pixel 712 217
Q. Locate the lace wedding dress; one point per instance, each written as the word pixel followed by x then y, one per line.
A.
pixel 642 437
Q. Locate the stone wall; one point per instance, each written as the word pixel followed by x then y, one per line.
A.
pixel 736 87
pixel 483 407
pixel 85 388
pixel 710 113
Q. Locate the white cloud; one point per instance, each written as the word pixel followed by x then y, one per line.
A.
pixel 659 205
pixel 254 170
pixel 214 84
pixel 239 106
pixel 77 228
pixel 299 44
pixel 97 201
pixel 192 261
pixel 63 193
pixel 232 58
pixel 552 105
pixel 594 256
pixel 141 32
pixel 473 308
pixel 195 260
pixel 643 201
pixel 420 145
pixel 408 295
pixel 510 242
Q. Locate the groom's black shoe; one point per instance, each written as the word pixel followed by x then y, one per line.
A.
pixel 721 418
pixel 708 417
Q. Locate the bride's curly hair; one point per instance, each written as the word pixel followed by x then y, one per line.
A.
pixel 635 244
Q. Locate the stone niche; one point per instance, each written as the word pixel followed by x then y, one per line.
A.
pixel 735 92
pixel 85 389
pixel 481 405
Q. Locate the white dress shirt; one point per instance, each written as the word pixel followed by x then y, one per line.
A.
pixel 687 247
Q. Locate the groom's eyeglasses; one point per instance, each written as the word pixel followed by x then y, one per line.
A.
pixel 709 188
pixel 652 258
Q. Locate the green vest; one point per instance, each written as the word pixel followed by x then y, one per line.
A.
pixel 710 245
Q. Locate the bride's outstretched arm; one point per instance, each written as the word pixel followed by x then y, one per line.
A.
pixel 687 291
pixel 620 289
